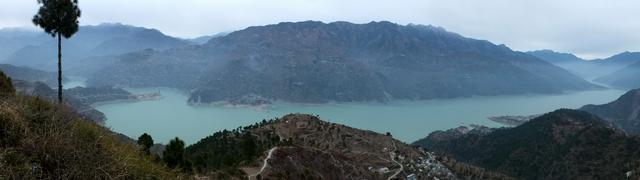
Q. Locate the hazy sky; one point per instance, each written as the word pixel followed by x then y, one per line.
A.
pixel 588 28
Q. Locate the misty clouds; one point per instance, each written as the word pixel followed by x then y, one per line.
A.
pixel 595 28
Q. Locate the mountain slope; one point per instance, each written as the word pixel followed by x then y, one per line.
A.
pixel 318 62
pixel 41 90
pixel 628 77
pixel 570 62
pixel 140 40
pixel 589 69
pixel 557 57
pixel 564 144
pixel 13 39
pixel 32 75
pixel 624 112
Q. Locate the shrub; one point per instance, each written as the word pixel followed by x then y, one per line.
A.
pixel 6 87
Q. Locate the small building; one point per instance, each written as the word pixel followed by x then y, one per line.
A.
pixel 383 170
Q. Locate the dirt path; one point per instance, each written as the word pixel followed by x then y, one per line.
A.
pixel 264 163
pixel 394 160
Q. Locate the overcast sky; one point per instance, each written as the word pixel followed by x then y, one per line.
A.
pixel 588 28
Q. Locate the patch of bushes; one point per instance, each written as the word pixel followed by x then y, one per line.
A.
pixel 40 140
pixel 6 87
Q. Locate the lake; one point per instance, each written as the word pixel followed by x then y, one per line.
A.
pixel 408 121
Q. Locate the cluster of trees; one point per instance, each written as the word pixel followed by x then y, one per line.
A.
pixel 224 150
pixel 6 87
pixel 173 154
pixel 466 171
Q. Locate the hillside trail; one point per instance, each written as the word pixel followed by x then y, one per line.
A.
pixel 391 155
pixel 264 163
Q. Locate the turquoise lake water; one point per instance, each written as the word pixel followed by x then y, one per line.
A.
pixel 408 121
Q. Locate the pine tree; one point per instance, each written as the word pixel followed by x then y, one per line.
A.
pixel 146 142
pixel 173 154
pixel 59 18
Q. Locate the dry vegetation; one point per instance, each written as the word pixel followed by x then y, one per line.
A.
pixel 40 140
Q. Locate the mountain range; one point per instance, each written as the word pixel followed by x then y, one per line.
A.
pixel 315 62
pixel 13 39
pixel 318 64
pixel 38 50
pixel 620 70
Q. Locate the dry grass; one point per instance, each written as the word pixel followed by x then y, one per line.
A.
pixel 40 140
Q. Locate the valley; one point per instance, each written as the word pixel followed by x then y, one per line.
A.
pixel 172 115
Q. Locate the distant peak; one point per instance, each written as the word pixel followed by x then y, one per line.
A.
pixel 545 51
pixel 110 24
pixel 624 54
pixel 633 95
pixel 555 53
pixel 383 23
pixel 308 22
pixel 548 51
pixel 432 27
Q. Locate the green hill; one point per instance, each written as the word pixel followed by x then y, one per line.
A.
pixel 564 144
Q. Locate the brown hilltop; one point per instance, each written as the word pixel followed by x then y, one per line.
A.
pixel 322 150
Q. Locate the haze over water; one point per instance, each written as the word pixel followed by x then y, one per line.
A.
pixel 408 121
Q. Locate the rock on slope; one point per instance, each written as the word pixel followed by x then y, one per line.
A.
pixel 624 112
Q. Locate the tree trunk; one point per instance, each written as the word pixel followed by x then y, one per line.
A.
pixel 59 69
